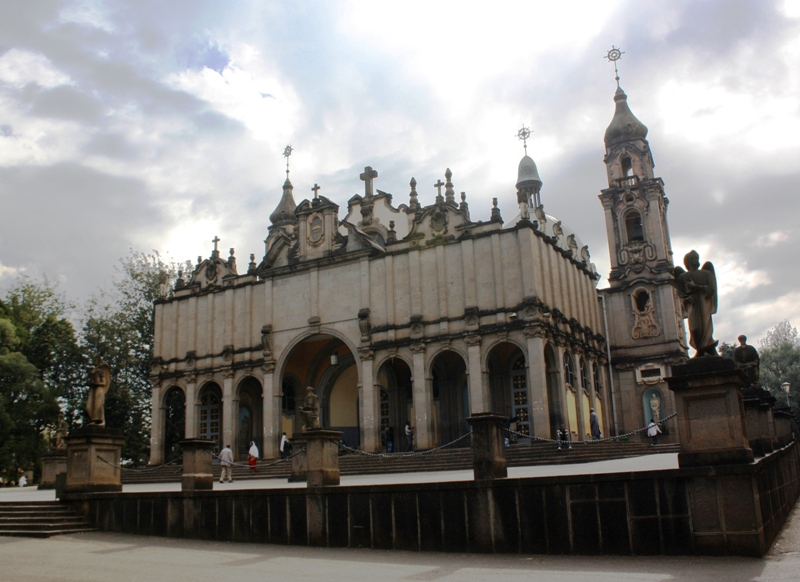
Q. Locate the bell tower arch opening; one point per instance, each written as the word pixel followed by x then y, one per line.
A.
pixel 450 397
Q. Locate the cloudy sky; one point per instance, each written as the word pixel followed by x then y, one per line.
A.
pixel 158 125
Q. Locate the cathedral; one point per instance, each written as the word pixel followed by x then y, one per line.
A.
pixel 417 313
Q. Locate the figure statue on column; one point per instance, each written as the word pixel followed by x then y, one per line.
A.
pixel 62 429
pixel 747 360
pixel 99 383
pixel 309 412
pixel 697 289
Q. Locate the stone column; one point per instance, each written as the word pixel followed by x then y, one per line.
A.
pixel 537 384
pixel 93 457
pixel 228 411
pixel 478 394
pixel 488 451
pixel 423 403
pixel 271 404
pixel 197 462
pixel 156 427
pixel 711 415
pixel 190 427
pixel 370 404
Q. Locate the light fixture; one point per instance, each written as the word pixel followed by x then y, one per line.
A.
pixel 334 359
pixel 786 387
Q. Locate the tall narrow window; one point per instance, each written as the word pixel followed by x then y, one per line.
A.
pixel 627 166
pixel 633 226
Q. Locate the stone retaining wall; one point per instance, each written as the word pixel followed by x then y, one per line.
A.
pixel 734 509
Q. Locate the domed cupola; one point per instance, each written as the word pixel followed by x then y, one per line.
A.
pixel 528 174
pixel 624 126
pixel 284 212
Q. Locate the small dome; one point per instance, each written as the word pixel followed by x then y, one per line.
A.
pixel 284 212
pixel 528 175
pixel 624 126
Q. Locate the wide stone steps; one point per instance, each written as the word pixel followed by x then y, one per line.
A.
pixel 517 455
pixel 40 519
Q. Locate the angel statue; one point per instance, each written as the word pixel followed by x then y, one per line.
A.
pixel 309 412
pixel 697 289
pixel 99 382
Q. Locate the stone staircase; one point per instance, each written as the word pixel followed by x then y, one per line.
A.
pixel 40 519
pixel 517 455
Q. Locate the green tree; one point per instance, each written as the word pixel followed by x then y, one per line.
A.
pixel 26 407
pixel 780 362
pixel 119 328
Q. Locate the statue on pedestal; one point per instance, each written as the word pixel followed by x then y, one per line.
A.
pixel 309 412
pixel 747 360
pixel 99 383
pixel 697 289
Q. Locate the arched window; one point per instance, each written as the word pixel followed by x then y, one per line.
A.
pixel 642 298
pixel 627 166
pixel 598 386
pixel 569 370
pixel 584 375
pixel 633 226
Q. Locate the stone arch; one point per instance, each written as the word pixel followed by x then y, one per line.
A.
pixel 250 416
pixel 394 377
pixel 450 393
pixel 174 419
pixel 507 371
pixel 326 362
pixel 280 361
pixel 491 345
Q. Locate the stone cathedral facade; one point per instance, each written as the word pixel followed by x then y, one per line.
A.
pixel 419 312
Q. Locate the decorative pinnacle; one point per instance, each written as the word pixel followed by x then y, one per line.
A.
pixel 287 151
pixel 613 56
pixel 524 134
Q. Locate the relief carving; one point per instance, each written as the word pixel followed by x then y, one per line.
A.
pixel 644 324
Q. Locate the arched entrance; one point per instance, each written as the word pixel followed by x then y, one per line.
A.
pixel 326 364
pixel 450 397
pixel 508 384
pixel 554 400
pixel 210 414
pixel 250 418
pixel 174 423
pixel 397 402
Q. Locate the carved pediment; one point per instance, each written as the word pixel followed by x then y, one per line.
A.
pixel 437 222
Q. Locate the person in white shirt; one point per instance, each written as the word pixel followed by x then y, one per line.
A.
pixel 226 460
pixel 653 431
pixel 284 448
pixel 252 456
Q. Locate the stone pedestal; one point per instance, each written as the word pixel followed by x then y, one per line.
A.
pixel 711 413
pixel 758 417
pixel 53 463
pixel 197 463
pixel 93 457
pixel 488 451
pixel 322 456
pixel 299 462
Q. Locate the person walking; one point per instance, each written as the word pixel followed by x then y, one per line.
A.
pixel 284 447
pixel 653 431
pixel 594 423
pixel 409 430
pixel 252 456
pixel 226 460
pixel 389 439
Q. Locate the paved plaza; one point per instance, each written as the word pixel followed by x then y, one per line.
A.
pixel 103 557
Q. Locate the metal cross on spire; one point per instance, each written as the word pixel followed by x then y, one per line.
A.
pixel 287 151
pixel 215 240
pixel 524 134
pixel 613 56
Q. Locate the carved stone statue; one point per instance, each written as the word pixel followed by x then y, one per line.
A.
pixel 655 407
pixel 309 412
pixel 99 383
pixel 747 360
pixel 697 289
pixel 62 429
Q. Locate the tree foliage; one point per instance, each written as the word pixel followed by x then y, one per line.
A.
pixel 780 362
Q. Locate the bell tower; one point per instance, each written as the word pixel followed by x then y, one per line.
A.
pixel 645 327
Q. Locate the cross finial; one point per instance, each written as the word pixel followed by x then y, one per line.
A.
pixel 215 240
pixel 524 134
pixel 438 186
pixel 613 56
pixel 368 175
pixel 316 190
pixel 287 151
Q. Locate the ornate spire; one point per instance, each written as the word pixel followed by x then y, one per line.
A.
pixel 413 202
pixel 624 126
pixel 449 193
pixel 284 212
pixel 613 56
